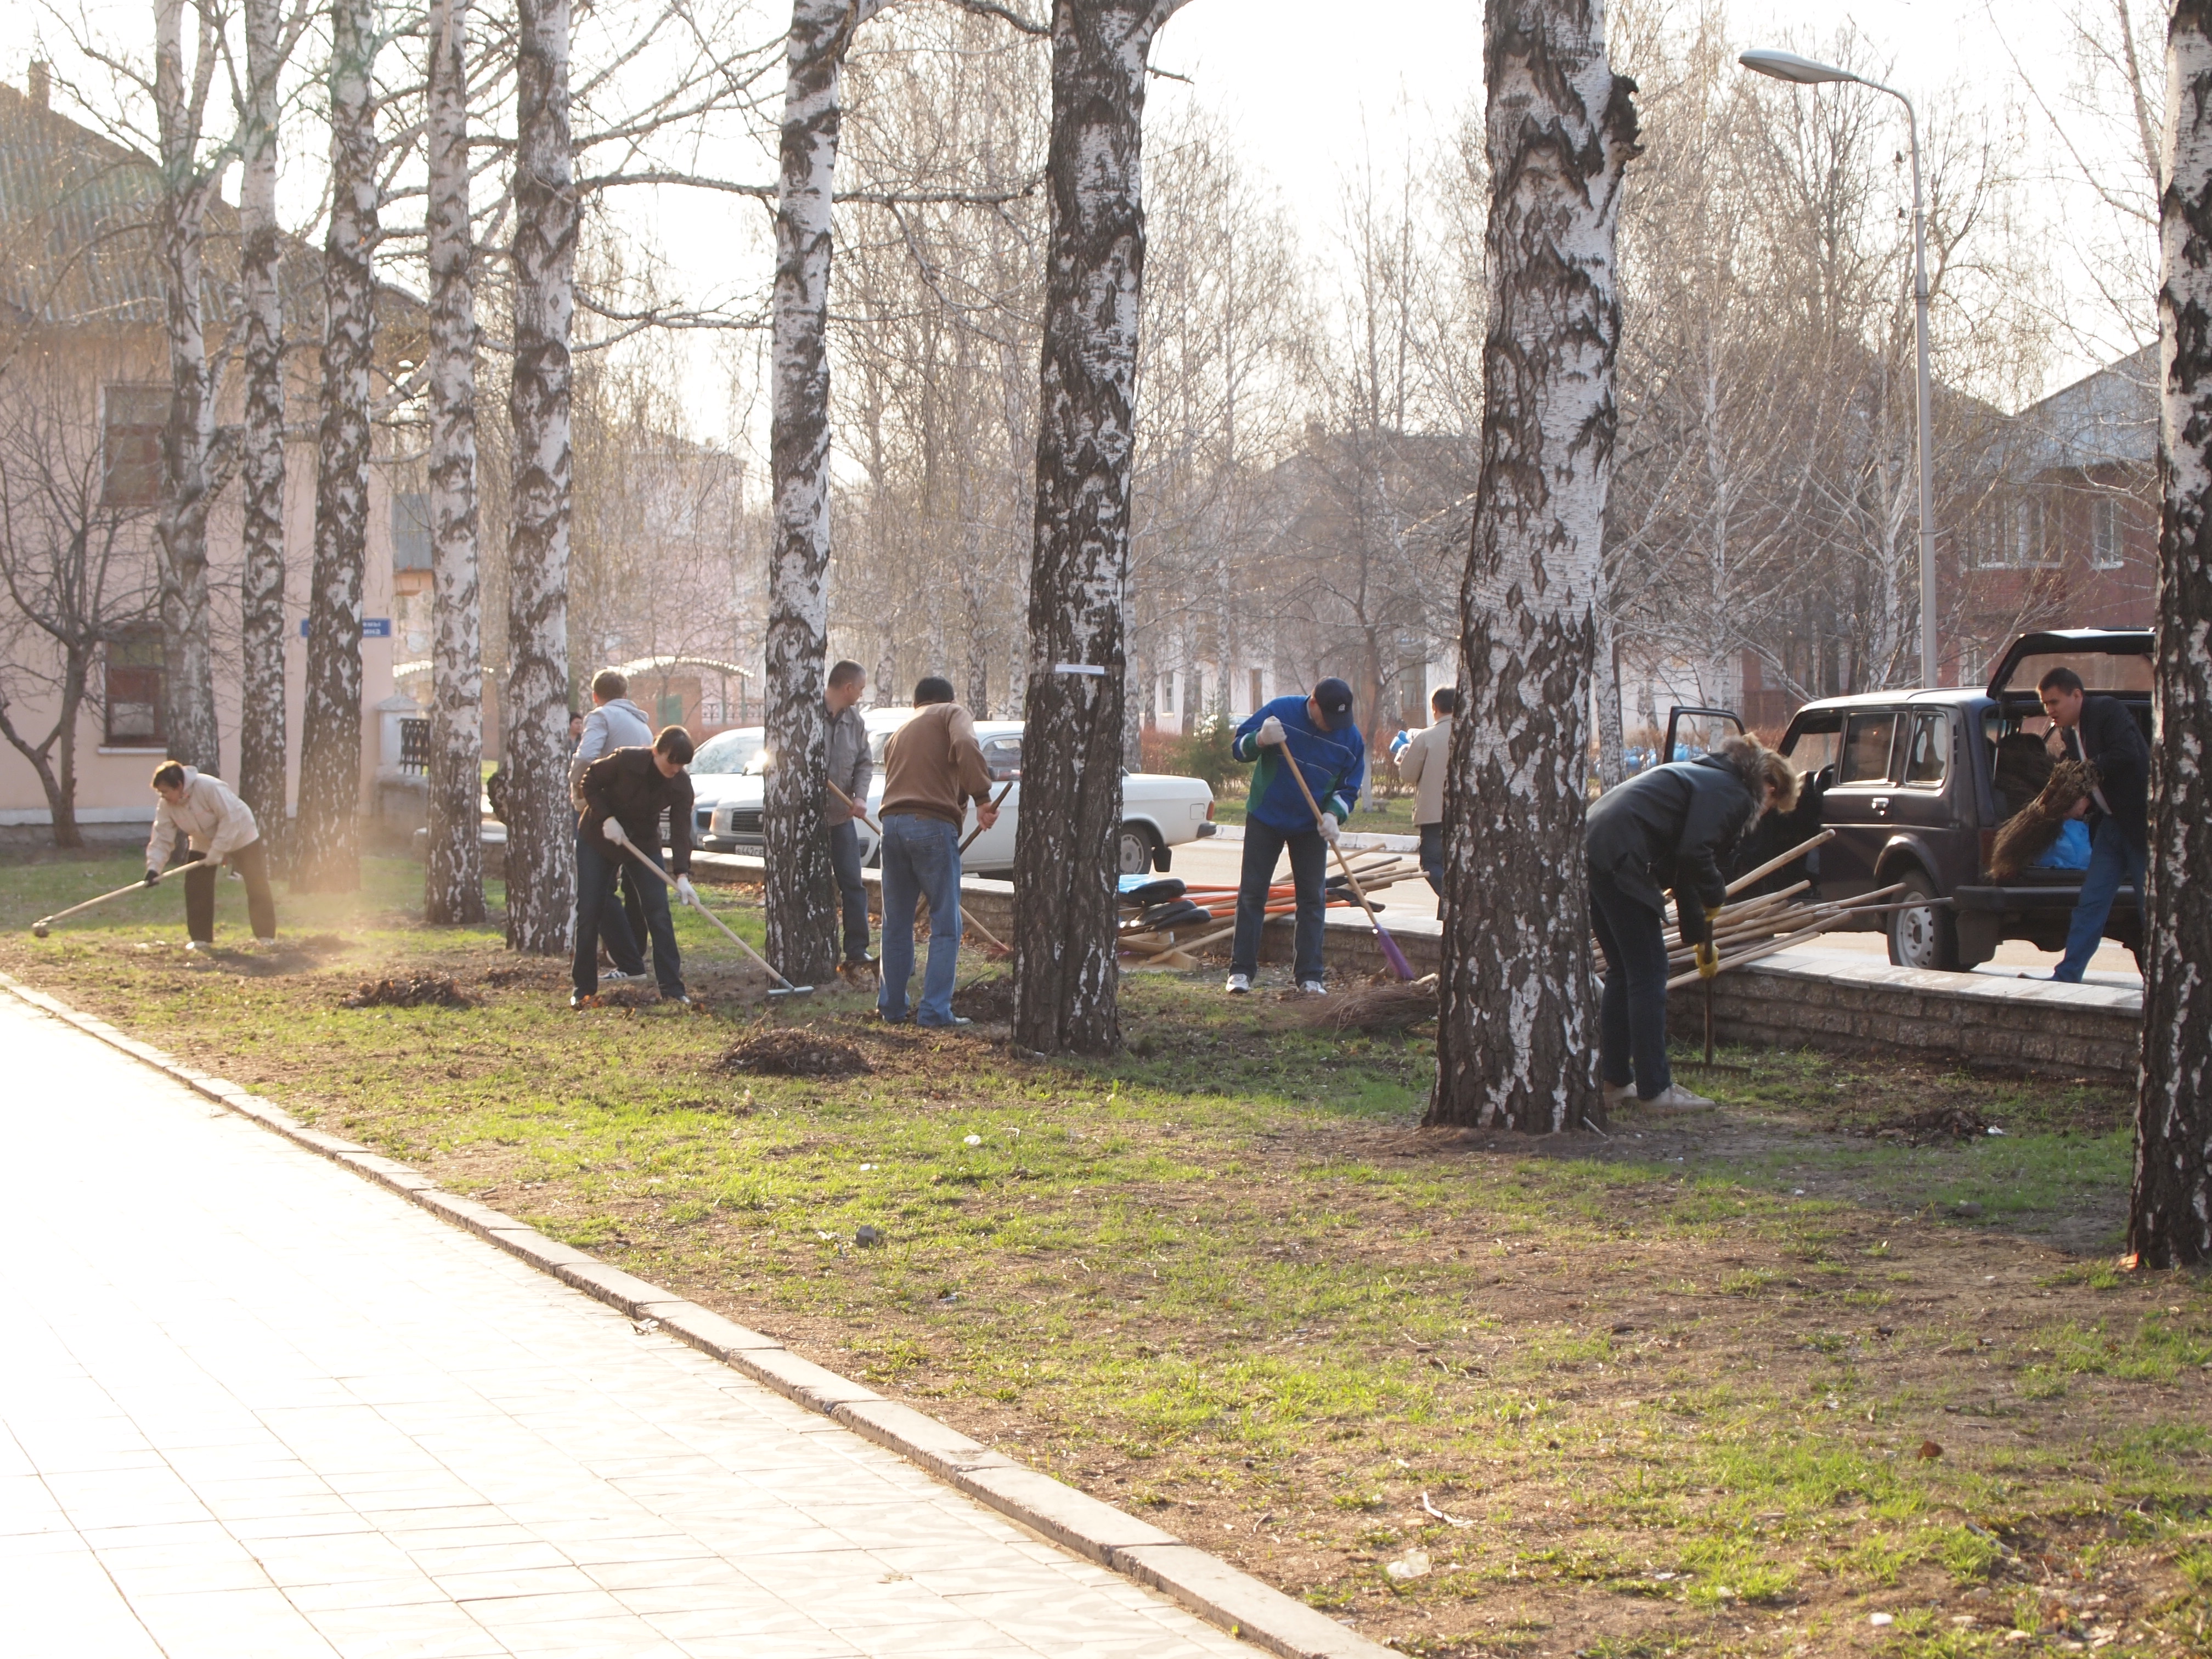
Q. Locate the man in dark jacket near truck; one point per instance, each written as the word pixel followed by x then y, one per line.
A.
pixel 1669 827
pixel 625 793
pixel 2100 730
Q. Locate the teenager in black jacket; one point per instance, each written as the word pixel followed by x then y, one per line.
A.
pixel 625 794
pixel 1670 827
pixel 2101 730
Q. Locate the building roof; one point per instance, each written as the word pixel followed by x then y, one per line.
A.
pixel 77 246
pixel 76 212
pixel 2105 419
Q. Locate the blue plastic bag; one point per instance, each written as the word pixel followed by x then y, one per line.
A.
pixel 2070 850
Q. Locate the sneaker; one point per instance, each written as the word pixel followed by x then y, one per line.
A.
pixel 679 999
pixel 199 947
pixel 1239 985
pixel 944 1024
pixel 1619 1094
pixel 581 1000
pixel 1675 1099
pixel 616 976
pixel 1313 987
pixel 265 941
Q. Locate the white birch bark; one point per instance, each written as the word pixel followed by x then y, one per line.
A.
pixel 1065 973
pixel 1515 1039
pixel 263 738
pixel 453 888
pixel 540 847
pixel 2170 1209
pixel 797 897
pixel 181 527
pixel 326 851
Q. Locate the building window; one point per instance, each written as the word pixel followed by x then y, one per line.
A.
pixel 411 530
pixel 133 420
pixel 2105 534
pixel 134 691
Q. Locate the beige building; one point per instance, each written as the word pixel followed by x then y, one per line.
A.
pixel 83 402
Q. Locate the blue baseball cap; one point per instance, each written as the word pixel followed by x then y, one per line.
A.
pixel 1333 698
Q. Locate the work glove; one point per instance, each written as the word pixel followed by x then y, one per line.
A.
pixel 1398 744
pixel 685 890
pixel 1708 957
pixel 1271 732
pixel 1329 827
pixel 152 876
pixel 613 831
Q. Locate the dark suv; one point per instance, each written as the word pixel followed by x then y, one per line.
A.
pixel 1921 781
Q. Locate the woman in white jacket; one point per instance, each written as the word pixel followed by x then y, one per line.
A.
pixel 222 831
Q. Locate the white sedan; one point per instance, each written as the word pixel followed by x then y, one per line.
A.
pixel 1158 811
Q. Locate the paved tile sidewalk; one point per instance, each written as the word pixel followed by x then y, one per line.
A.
pixel 252 1405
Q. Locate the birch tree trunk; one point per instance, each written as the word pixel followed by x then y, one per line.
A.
pixel 801 938
pixel 327 854
pixel 1065 975
pixel 1515 1045
pixel 452 887
pixel 262 738
pixel 2170 1209
pixel 540 850
pixel 180 526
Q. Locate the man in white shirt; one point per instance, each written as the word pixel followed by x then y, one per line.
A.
pixel 615 722
pixel 222 830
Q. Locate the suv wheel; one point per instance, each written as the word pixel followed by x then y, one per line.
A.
pixel 1132 850
pixel 1922 934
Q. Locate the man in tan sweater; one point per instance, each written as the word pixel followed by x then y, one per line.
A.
pixel 1423 761
pixel 932 768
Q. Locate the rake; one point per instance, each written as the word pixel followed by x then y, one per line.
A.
pixel 700 905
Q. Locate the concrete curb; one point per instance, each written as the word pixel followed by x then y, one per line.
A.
pixel 1215 1591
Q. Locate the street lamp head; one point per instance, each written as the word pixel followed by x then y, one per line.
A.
pixel 1788 66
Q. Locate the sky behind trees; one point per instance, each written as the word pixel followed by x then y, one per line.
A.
pixel 1313 102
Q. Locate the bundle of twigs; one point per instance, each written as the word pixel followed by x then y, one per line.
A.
pixel 2033 831
pixel 1174 949
pixel 1389 1007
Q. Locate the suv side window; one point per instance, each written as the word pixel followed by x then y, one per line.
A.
pixel 1867 740
pixel 1814 742
pixel 1928 756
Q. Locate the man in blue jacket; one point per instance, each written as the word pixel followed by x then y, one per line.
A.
pixel 1315 734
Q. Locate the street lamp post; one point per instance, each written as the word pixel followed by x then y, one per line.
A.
pixel 1805 72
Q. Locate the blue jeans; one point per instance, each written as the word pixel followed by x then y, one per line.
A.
pixel 2113 861
pixel 1263 845
pixel 921 861
pixel 596 908
pixel 1632 1013
pixel 1432 856
pixel 612 923
pixel 853 896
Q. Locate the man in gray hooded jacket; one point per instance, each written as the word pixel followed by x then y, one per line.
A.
pixel 615 722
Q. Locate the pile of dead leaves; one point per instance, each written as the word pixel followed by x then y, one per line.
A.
pixel 791 1051
pixel 430 991
pixel 1938 1123
pixel 987 1001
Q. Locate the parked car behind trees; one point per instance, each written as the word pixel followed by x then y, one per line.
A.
pixel 1159 811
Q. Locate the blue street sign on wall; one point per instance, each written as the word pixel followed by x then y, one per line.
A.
pixel 372 628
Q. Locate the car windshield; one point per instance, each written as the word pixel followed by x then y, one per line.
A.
pixel 727 752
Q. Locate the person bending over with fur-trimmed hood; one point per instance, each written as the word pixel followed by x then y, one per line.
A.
pixel 1670 827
